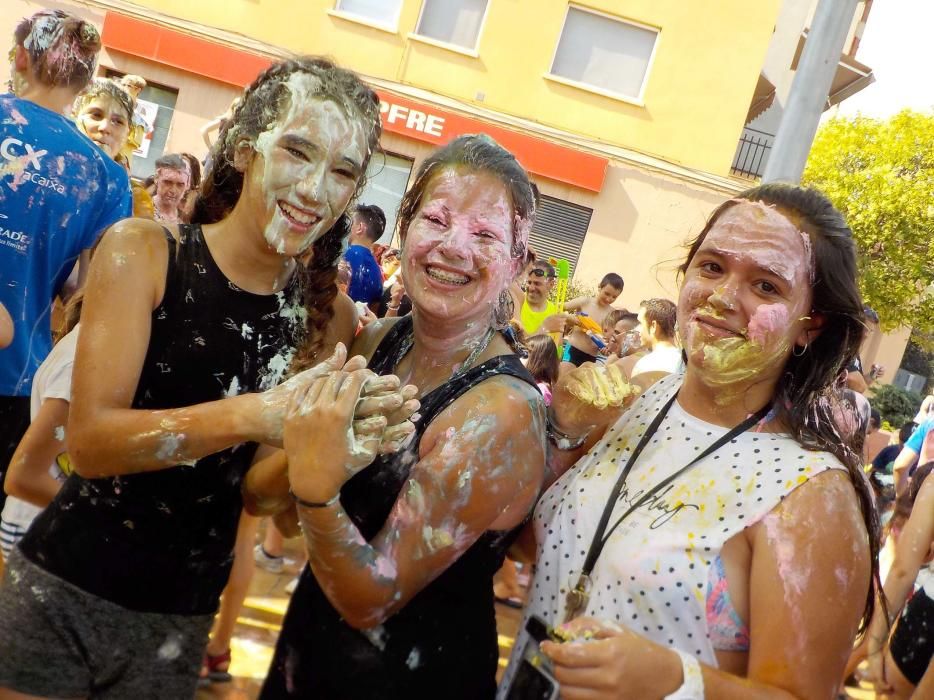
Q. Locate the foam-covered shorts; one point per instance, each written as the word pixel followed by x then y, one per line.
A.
pixel 58 641
pixel 912 642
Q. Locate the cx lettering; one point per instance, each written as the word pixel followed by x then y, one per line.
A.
pixel 13 149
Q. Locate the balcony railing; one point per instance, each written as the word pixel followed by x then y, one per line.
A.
pixel 752 153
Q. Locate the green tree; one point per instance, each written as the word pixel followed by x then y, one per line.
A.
pixel 896 405
pixel 880 174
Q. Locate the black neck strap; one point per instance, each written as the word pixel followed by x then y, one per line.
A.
pixel 602 535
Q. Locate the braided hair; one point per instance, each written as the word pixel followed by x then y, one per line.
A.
pixel 257 111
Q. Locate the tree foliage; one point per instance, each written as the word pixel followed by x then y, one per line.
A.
pixel 896 405
pixel 880 174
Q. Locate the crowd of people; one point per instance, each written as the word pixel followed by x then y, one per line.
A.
pixel 685 481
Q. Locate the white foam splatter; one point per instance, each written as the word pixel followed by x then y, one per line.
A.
pixel 414 660
pixel 60 433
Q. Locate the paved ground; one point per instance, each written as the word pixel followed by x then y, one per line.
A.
pixel 259 623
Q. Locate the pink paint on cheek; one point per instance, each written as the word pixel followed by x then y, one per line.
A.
pixel 766 321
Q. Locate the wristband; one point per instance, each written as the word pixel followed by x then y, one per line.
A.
pixel 390 307
pixel 692 687
pixel 562 441
pixel 311 504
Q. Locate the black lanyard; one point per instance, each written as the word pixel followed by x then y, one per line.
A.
pixel 577 597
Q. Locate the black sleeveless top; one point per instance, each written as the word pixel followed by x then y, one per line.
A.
pixel 443 643
pixel 163 541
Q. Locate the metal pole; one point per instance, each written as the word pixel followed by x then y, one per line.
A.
pixel 809 90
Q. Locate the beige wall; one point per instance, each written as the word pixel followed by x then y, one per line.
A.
pixel 641 217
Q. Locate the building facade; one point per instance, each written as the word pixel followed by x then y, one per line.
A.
pixel 628 113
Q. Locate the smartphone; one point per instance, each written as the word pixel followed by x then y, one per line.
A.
pixel 533 679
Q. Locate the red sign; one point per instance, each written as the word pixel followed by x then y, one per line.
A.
pixel 400 115
pixel 428 123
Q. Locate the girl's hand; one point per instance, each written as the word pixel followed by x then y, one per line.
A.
pixel 590 396
pixel 383 396
pixel 271 406
pixel 603 661
pixel 325 446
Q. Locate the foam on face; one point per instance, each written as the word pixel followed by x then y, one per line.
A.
pixel 308 182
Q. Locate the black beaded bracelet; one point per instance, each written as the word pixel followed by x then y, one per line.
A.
pixel 310 504
pixel 560 440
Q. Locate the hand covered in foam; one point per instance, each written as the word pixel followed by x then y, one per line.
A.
pixel 600 659
pixel 273 404
pixel 590 396
pixel 337 425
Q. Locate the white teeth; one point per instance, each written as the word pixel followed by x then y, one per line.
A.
pixel 297 214
pixel 447 277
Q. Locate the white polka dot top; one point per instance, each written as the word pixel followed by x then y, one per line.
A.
pixel 652 575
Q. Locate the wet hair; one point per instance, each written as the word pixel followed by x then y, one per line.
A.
pixel 664 313
pixel 805 398
pixel 614 317
pixel 480 153
pixel 171 161
pixel 107 88
pixel 630 317
pixel 62 48
pixel 194 170
pixel 257 111
pixel 373 219
pixel 543 359
pixel 612 279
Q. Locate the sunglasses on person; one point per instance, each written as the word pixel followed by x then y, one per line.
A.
pixel 538 272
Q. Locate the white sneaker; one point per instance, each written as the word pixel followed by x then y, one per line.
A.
pixel 266 561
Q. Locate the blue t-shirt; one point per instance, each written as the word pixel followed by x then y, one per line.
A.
pixel 58 191
pixel 366 281
pixel 916 441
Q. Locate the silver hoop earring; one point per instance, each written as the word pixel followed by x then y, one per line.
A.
pixel 803 350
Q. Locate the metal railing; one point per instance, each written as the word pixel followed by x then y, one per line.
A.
pixel 752 153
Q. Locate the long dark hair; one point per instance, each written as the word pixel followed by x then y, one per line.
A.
pixel 805 395
pixel 257 111
pixel 63 49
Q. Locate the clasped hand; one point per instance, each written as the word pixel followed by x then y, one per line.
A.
pixel 338 423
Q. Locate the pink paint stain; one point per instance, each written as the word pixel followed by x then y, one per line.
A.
pixel 767 320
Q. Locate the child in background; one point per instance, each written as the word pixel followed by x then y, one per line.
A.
pixel 36 469
pixel 543 363
pixel 580 348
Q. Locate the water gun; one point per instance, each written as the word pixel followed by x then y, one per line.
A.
pixel 563 270
pixel 588 325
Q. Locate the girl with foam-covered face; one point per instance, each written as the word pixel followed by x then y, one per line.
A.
pixel 397 600
pixel 309 163
pixel 747 572
pixel 745 300
pixel 218 324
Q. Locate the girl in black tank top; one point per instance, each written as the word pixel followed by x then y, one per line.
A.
pixel 397 600
pixel 185 342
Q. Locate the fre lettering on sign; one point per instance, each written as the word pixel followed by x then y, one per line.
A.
pixel 412 119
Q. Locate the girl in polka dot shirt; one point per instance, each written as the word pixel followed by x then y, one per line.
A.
pixel 736 557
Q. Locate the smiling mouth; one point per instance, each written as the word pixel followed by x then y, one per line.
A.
pixel 716 327
pixel 446 277
pixel 299 217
